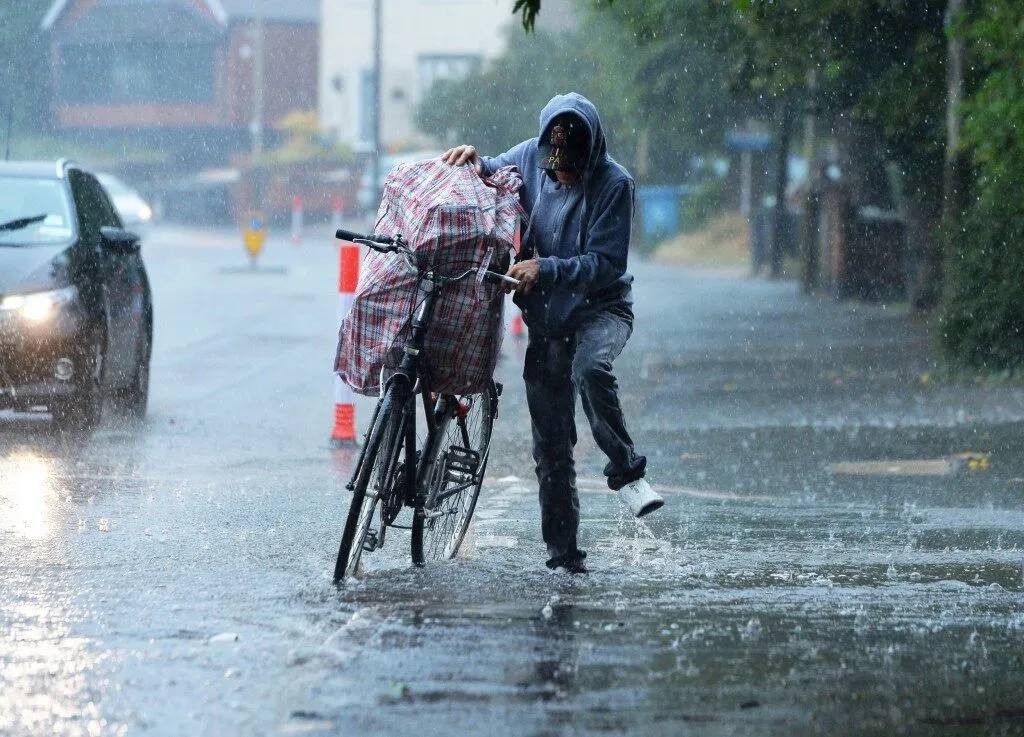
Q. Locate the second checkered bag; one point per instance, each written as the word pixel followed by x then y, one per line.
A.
pixel 454 220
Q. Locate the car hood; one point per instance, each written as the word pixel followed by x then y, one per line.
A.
pixel 33 268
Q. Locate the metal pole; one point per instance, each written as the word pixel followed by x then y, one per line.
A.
pixel 10 121
pixel 377 42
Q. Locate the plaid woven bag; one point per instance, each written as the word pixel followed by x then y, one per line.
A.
pixel 454 221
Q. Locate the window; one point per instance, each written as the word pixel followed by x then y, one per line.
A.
pixel 137 73
pixel 434 67
pixel 94 209
pixel 28 198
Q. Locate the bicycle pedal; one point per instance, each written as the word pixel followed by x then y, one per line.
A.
pixel 461 461
pixel 370 541
pixel 428 515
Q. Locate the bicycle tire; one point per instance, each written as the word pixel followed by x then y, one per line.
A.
pixel 381 452
pixel 440 538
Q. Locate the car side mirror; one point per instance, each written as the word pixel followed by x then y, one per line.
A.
pixel 120 240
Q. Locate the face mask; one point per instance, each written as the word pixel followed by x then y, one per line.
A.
pixel 566 146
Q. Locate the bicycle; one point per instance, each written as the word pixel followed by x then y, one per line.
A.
pixel 442 477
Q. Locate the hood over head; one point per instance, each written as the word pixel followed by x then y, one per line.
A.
pixel 577 104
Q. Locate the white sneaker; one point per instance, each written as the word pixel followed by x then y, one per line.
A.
pixel 640 498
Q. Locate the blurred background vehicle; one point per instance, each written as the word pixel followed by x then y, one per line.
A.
pixel 76 317
pixel 132 208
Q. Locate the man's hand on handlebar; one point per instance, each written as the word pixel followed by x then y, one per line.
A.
pixel 527 273
pixel 397 244
pixel 464 154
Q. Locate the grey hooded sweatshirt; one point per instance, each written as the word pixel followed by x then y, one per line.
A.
pixel 580 233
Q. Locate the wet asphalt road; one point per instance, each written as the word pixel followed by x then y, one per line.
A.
pixel 173 578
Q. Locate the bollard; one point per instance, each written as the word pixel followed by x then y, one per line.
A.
pixel 297 219
pixel 344 431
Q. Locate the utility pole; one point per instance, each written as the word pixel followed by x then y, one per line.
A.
pixel 257 83
pixel 375 155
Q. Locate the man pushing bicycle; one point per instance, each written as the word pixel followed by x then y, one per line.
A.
pixel 576 298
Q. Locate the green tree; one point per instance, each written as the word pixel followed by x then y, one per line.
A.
pixel 983 316
pixel 663 97
pixel 872 71
pixel 881 64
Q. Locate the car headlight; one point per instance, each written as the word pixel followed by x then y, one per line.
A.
pixel 36 306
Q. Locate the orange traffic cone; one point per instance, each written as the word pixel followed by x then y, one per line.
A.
pixel 344 431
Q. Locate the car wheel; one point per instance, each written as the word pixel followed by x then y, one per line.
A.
pixel 83 410
pixel 135 397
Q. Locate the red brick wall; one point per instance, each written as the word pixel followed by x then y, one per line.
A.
pixel 291 52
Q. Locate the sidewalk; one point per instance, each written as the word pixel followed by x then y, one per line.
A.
pixel 764 373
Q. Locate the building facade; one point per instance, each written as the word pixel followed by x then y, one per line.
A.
pixel 180 74
pixel 422 41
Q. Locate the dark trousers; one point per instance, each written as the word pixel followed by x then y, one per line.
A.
pixel 556 369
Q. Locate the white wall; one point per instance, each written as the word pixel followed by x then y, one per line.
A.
pixel 412 30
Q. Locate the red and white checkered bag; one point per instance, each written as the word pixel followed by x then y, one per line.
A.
pixel 455 221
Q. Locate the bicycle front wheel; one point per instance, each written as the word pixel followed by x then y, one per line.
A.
pixel 456 475
pixel 376 476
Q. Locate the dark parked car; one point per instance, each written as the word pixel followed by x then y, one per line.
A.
pixel 76 317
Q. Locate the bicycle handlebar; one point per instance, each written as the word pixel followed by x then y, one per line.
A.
pixel 353 237
pixel 387 244
pixel 495 276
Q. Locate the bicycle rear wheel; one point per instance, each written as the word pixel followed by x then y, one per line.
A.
pixel 457 473
pixel 375 480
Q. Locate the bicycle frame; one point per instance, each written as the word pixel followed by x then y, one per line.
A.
pixel 410 482
pixel 404 383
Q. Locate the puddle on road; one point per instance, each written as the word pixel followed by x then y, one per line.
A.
pixel 720 611
pixel 733 610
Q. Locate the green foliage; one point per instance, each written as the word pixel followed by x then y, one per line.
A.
pixel 498 106
pixel 983 316
pixel 878 62
pixel 683 75
pixel 703 203
pixel 305 143
pixel 529 9
pixel 651 66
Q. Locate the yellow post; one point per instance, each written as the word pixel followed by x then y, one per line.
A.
pixel 254 234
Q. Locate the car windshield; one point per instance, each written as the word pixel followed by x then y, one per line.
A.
pixel 41 204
